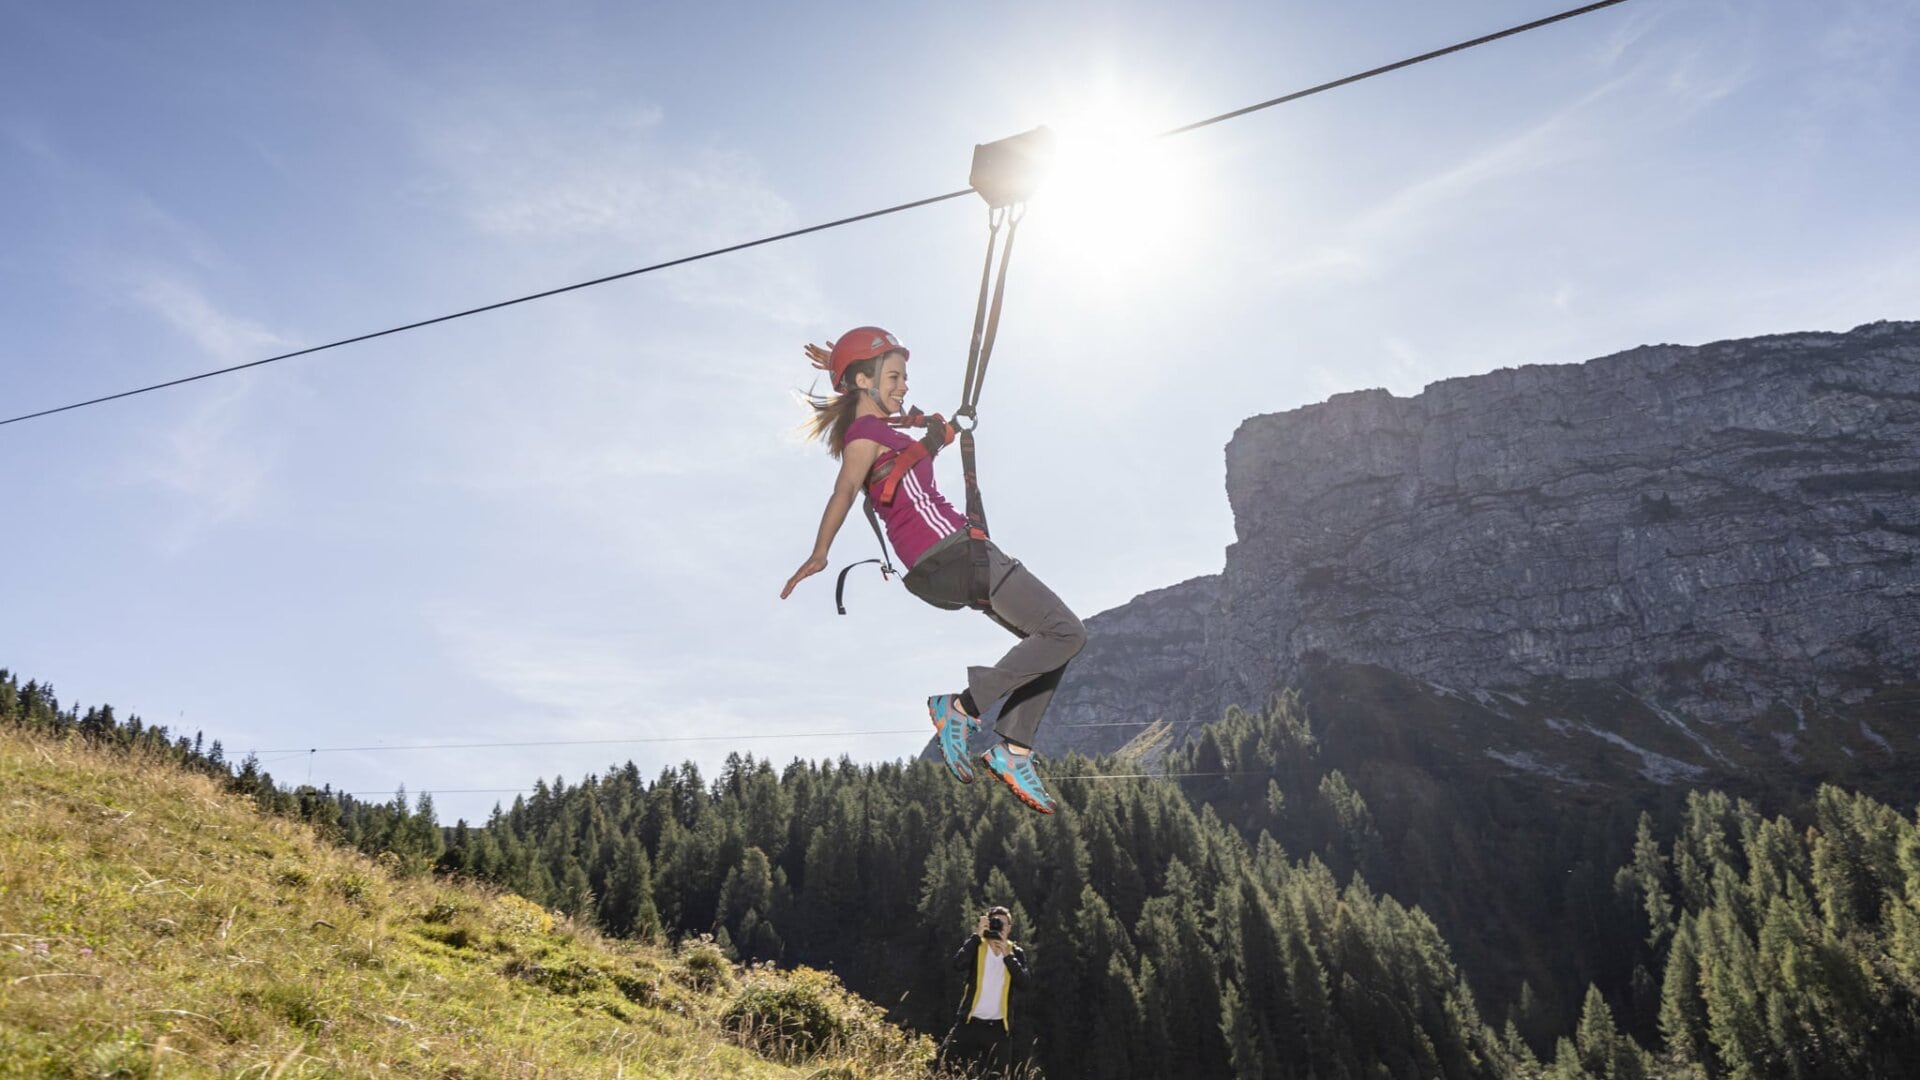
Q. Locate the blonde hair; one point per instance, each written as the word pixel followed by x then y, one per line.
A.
pixel 833 415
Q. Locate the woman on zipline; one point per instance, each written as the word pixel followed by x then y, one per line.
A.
pixel 869 371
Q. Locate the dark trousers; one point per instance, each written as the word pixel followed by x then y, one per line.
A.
pixel 1050 633
pixel 978 1048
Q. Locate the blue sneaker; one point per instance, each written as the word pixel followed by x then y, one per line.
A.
pixel 953 725
pixel 1018 773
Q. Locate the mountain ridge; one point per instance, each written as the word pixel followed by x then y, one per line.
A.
pixel 1723 530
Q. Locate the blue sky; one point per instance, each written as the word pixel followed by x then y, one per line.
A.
pixel 570 520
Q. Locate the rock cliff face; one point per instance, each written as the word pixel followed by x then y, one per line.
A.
pixel 1522 608
pixel 1717 531
pixel 1145 661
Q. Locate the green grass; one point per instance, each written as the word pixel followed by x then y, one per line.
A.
pixel 152 925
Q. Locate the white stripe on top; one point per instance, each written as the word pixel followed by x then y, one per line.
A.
pixel 929 512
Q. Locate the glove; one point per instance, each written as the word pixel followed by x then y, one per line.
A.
pixel 940 431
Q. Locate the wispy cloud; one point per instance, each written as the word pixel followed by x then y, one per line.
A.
pixel 1626 35
pixel 1333 262
pixel 204 459
pixel 574 187
pixel 181 305
pixel 583 684
pixel 135 253
pixel 559 179
pixel 590 420
pixel 31 141
pixel 1862 76
pixel 1557 140
pixel 1655 50
pixel 1644 86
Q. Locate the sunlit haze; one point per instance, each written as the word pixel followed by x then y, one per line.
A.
pixel 570 519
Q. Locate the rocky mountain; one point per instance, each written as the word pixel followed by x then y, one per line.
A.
pixel 1511 613
pixel 1725 536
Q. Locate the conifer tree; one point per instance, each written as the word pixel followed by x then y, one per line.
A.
pixel 745 906
pixel 1731 981
pixel 1601 1049
pixel 575 893
pixel 1180 992
pixel 1855 858
pixel 947 897
pixel 1646 877
pixel 1096 993
pixel 626 907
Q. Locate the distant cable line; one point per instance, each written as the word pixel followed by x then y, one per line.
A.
pixel 445 791
pixel 740 737
pixel 1062 776
pixel 590 742
pixel 915 204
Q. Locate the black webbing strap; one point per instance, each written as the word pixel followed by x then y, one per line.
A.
pixel 969 389
pixel 979 583
pixel 886 562
pixel 986 325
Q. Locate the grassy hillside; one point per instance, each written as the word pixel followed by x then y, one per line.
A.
pixel 152 925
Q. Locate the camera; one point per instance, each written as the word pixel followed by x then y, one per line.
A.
pixel 996 926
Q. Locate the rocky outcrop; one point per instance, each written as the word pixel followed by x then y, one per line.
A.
pixel 1144 661
pixel 1719 531
pixel 1522 608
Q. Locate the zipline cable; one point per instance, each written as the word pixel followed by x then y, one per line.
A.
pixel 501 304
pixel 915 204
pixel 1395 66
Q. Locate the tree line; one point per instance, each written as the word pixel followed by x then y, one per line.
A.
pixel 408 833
pixel 1168 939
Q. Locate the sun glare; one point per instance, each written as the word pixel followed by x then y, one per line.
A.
pixel 1116 197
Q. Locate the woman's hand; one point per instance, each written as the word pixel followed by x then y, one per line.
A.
pixel 983 926
pixel 855 461
pixel 807 569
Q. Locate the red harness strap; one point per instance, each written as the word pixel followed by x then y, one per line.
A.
pixel 883 482
pixel 891 467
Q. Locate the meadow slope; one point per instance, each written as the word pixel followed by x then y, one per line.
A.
pixel 152 924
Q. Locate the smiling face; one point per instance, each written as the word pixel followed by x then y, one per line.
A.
pixel 889 391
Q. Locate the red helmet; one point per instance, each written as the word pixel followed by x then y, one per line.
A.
pixel 857 344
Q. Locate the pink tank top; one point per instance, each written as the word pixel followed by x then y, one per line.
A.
pixel 919 516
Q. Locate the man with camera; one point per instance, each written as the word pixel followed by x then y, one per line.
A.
pixel 981 1041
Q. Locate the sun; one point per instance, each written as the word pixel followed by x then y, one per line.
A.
pixel 1117 196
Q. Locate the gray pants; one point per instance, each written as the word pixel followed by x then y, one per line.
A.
pixel 1050 634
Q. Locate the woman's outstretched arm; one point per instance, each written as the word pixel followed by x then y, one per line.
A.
pixel 855 462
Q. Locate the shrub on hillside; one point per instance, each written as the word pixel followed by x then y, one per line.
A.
pixel 804 1013
pixel 704 965
pixel 517 915
pixel 788 1017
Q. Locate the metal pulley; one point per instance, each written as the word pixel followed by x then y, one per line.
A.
pixel 1008 170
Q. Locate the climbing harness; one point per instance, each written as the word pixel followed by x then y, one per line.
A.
pixel 883 482
pixel 885 560
pixel 1005 174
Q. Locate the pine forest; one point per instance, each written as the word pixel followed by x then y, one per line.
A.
pixel 1203 926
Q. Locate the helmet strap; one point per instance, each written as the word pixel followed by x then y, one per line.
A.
pixel 873 387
